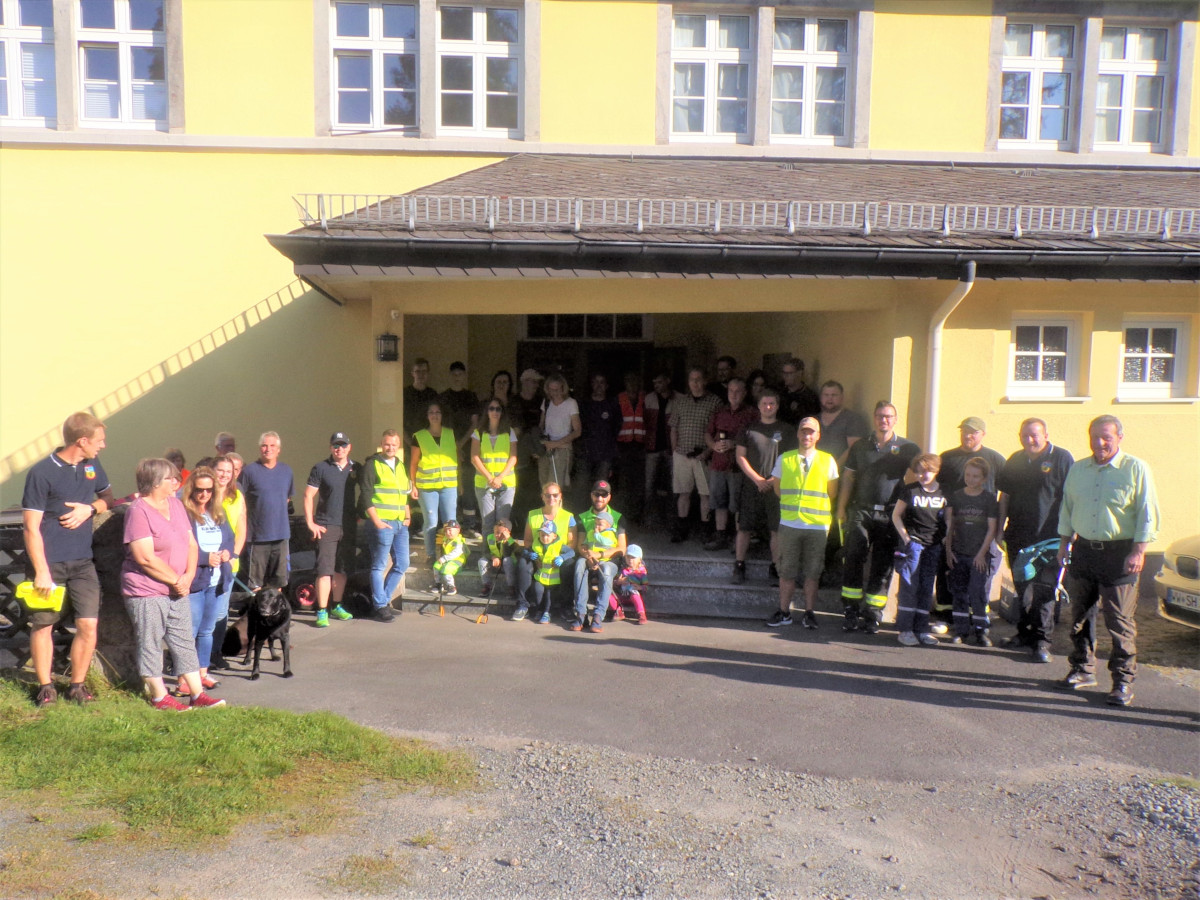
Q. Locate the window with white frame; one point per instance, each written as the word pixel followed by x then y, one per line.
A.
pixel 479 71
pixel 1131 88
pixel 374 72
pixel 1153 359
pixel 27 84
pixel 810 80
pixel 711 76
pixel 1044 358
pixel 122 63
pixel 1038 84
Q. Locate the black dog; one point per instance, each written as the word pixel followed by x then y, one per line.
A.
pixel 269 616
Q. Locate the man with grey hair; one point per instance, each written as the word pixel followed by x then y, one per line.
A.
pixel 224 443
pixel 267 485
pixel 1109 515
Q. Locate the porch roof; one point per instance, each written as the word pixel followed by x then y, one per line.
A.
pixel 564 216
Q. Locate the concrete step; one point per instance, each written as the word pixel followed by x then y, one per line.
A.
pixel 709 567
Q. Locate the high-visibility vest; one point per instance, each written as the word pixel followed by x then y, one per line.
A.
pixel 494 451
pixel 389 490
pixel 438 465
pixel 633 419
pixel 805 497
pixel 547 572
pixel 562 522
pixel 497 550
pixel 234 507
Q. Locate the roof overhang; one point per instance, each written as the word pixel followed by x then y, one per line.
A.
pixel 1104 224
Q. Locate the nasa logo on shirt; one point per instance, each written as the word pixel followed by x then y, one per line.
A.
pixel 89 472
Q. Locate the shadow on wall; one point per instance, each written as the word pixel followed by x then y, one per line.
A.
pixel 191 388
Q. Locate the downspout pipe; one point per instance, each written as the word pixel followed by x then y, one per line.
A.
pixel 966 281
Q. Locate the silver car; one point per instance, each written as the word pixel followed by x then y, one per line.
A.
pixel 1178 582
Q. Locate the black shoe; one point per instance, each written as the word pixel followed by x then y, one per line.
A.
pixel 851 623
pixel 1078 679
pixel 485 591
pixel 383 614
pixel 778 619
pixel 773 574
pixel 46 696
pixel 739 573
pixel 78 693
pixel 1015 642
pixel 718 542
pixel 1041 653
pixel 957 639
pixel 810 620
pixel 870 623
pixel 1121 695
pixel 982 639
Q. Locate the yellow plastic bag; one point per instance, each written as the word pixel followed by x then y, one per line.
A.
pixel 34 600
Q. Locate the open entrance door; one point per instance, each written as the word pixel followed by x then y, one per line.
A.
pixel 578 361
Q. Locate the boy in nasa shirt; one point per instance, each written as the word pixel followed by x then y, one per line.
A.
pixel 920 520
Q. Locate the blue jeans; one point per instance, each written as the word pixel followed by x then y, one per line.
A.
pixel 443 502
pixel 608 571
pixel 387 544
pixel 494 505
pixel 205 606
pixel 917 565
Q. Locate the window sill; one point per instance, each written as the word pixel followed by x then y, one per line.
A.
pixel 1156 400
pixel 1034 398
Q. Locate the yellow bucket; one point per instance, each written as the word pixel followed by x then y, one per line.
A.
pixel 34 600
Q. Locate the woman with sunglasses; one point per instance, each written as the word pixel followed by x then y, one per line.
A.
pixel 156 578
pixel 433 471
pixel 215 543
pixel 494 456
pixel 564 528
pixel 234 505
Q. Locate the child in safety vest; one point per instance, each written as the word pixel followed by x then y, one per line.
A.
pixel 604 535
pixel 501 550
pixel 547 556
pixel 454 554
pixel 628 584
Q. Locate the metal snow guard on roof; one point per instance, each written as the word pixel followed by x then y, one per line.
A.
pixel 412 212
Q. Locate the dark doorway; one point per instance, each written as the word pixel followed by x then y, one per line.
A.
pixel 577 361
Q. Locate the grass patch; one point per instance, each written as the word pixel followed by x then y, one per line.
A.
pixel 379 874
pixel 1182 781
pixel 96 832
pixel 202 773
pixel 424 840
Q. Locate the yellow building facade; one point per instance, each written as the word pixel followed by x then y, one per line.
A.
pixel 143 160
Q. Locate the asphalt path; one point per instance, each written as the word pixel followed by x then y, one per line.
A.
pixel 724 691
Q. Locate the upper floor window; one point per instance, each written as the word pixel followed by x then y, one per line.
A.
pixel 1037 84
pixel 122 63
pixel 1131 88
pixel 1154 359
pixel 712 61
pixel 27 84
pixel 811 62
pixel 375 65
pixel 479 71
pixel 1045 358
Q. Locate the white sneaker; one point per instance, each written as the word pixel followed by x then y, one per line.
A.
pixel 907 638
pixel 939 627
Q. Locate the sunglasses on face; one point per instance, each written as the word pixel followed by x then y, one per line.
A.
pixel 201 490
pixel 495 409
pixel 601 494
pixel 551 496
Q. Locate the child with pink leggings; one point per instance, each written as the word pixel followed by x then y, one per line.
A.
pixel 628 585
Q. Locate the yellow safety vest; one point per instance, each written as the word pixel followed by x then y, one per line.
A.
pixel 805 498
pixel 547 573
pixel 389 494
pixel 562 522
pixel 494 451
pixel 438 466
pixel 234 507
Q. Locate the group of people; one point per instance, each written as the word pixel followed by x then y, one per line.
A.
pixel 793 465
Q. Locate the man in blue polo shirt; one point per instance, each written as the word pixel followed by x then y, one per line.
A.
pixel 267 483
pixel 62 494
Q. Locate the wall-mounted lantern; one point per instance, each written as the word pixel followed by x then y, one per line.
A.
pixel 387 347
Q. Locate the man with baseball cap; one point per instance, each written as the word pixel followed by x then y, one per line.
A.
pixel 806 482
pixel 330 511
pixel 599 542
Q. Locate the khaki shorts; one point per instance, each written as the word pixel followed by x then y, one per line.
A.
pixel 687 474
pixel 801 553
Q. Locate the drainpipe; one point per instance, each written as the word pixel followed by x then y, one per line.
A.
pixel 966 281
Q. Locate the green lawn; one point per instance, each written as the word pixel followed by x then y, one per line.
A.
pixel 205 772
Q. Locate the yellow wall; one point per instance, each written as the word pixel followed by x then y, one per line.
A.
pixel 123 259
pixel 929 74
pixel 248 67
pixel 598 72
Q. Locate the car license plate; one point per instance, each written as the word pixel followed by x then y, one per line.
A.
pixel 1184 599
